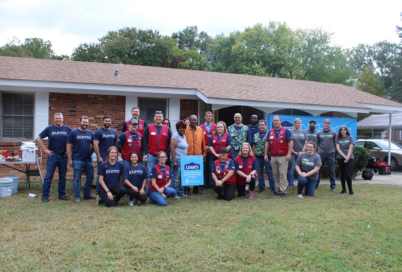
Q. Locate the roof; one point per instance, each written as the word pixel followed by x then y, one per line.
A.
pixel 210 84
pixel 381 122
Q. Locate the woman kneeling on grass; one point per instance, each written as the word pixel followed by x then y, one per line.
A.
pixel 223 173
pixel 159 189
pixel 307 166
pixel 109 184
pixel 246 169
pixel 135 179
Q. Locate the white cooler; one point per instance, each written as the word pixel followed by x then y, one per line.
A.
pixel 28 156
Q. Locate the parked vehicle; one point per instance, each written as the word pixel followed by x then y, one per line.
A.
pixel 379 150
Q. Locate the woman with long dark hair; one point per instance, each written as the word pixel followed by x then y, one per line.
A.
pixel 344 144
pixel 135 179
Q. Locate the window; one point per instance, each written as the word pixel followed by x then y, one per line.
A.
pixel 148 106
pixel 360 144
pixel 17 115
pixel 370 145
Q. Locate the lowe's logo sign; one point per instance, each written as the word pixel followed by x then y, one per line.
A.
pixel 192 166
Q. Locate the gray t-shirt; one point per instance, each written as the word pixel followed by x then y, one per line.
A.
pixel 299 139
pixel 181 147
pixel 309 162
pixel 344 143
pixel 312 137
pixel 326 140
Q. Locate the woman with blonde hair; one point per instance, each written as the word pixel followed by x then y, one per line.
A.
pixel 344 144
pixel 109 184
pixel 299 145
pixel 246 169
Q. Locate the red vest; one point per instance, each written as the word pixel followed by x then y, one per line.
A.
pixel 160 181
pixel 246 169
pixel 217 145
pixel 157 142
pixel 279 144
pixel 208 135
pixel 220 174
pixel 130 146
pixel 140 128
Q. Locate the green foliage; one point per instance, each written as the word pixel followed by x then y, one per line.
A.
pixel 361 158
pixel 31 48
pixel 371 83
pixel 399 30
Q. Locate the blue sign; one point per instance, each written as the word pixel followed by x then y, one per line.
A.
pixel 192 170
pixel 336 122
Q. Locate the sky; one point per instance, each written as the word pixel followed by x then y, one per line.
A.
pixel 68 23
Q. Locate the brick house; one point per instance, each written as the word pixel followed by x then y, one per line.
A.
pixel 32 90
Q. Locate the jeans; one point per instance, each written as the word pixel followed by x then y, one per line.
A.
pixel 89 174
pixel 151 161
pixel 291 170
pixel 268 169
pixel 159 199
pixel 126 162
pixel 53 162
pixel 330 160
pixel 175 176
pixel 117 191
pixel 309 184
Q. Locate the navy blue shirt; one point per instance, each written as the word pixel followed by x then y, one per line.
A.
pixel 253 130
pixel 231 166
pixel 135 175
pixel 81 141
pixel 111 175
pixel 228 138
pixel 57 137
pixel 106 138
pixel 244 159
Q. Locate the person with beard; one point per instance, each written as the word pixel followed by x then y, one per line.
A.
pixel 240 134
pixel 79 151
pixel 135 112
pixel 326 150
pixel 312 133
pixel 253 127
pixel 56 155
pixel 208 128
pixel 129 142
pixel 104 138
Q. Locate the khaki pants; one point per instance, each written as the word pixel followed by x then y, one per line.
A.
pixel 280 169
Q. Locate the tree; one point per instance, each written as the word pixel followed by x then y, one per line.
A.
pixel 37 48
pixel 371 83
pixel 399 30
pixel 13 49
pixel 87 52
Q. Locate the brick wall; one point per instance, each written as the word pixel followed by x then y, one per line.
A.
pixel 188 107
pixel 73 106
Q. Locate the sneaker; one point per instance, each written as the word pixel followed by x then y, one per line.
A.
pixel 131 203
pixel 77 200
pixel 274 193
pixel 290 187
pixel 250 196
pixel 333 189
pixel 220 197
pixel 351 193
pixel 343 192
pixel 261 190
pixel 300 196
pixel 247 189
pixel 89 197
pixel 283 195
pixel 139 202
pixel 150 201
pixel 100 201
pixel 177 197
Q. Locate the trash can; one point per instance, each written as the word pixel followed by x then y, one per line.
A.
pixel 6 187
pixel 16 181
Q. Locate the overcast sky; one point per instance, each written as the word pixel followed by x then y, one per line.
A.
pixel 67 23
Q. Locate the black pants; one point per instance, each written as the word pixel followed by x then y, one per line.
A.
pixel 117 191
pixel 345 170
pixel 133 194
pixel 226 191
pixel 241 189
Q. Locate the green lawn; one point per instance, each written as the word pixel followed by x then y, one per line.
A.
pixel 328 232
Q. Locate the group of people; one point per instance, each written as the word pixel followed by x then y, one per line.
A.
pixel 234 157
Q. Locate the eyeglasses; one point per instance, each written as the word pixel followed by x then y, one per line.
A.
pixel 164 157
pixel 165 123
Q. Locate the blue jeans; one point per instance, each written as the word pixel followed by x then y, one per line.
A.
pixel 268 168
pixel 159 199
pixel 126 162
pixel 89 174
pixel 151 161
pixel 291 170
pixel 60 162
pixel 175 175
pixel 308 183
pixel 330 160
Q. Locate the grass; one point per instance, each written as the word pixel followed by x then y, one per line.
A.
pixel 328 232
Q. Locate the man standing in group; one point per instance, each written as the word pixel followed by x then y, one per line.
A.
pixel 129 142
pixel 279 144
pixel 135 112
pixel 240 134
pixel 156 138
pixel 104 138
pixel 312 133
pixel 253 127
pixel 79 152
pixel 208 128
pixel 259 140
pixel 326 150
pixel 196 145
pixel 56 155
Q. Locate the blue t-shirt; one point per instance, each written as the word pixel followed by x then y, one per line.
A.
pixel 231 166
pixel 228 138
pixel 254 166
pixel 57 137
pixel 81 141
pixel 253 130
pixel 135 175
pixel 106 138
pixel 111 175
